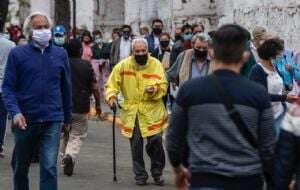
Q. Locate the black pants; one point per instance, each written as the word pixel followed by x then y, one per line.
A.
pixel 155 151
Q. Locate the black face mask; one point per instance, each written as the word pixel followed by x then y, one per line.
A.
pixel 178 37
pixel 86 42
pixel 199 54
pixel 141 59
pixel 164 44
pixel 157 31
pixel 126 35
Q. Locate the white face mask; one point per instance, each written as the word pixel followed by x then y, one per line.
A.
pixel 42 36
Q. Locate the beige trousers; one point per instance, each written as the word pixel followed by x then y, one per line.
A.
pixel 77 135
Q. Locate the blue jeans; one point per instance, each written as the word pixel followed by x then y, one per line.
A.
pixel 287 162
pixel 46 136
pixel 3 117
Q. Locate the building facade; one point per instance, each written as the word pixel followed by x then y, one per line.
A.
pixel 279 16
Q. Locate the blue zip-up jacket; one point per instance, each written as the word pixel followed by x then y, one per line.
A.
pixel 38 84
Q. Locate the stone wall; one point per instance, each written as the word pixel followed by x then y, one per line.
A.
pixel 195 11
pixel 109 15
pixel 279 16
pixel 142 12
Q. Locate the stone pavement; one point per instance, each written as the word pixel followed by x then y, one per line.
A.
pixel 94 168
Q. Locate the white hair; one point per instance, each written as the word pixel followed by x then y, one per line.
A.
pixel 202 37
pixel 27 23
pixel 138 40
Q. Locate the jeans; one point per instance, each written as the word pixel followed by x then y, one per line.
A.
pixel 46 136
pixel 278 121
pixel 287 162
pixel 3 117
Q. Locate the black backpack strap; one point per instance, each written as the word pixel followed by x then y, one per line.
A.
pixel 233 113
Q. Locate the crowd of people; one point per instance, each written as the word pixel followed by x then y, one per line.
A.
pixel 228 98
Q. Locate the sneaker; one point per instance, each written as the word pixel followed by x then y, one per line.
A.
pixel 141 182
pixel 159 181
pixel 68 165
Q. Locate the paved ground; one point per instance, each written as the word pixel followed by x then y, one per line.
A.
pixel 94 170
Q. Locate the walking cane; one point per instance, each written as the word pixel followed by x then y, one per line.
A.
pixel 114 109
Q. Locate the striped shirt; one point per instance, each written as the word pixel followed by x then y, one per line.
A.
pixel 215 144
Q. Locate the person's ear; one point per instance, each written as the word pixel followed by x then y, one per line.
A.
pixel 246 56
pixel 211 53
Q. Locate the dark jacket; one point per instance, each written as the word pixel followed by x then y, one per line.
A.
pixel 83 79
pixel 258 74
pixel 246 69
pixel 38 84
pixel 176 50
pixel 115 52
pixel 101 53
pixel 151 43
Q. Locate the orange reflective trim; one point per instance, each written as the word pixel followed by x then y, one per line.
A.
pixel 130 73
pixel 159 125
pixel 149 76
pixel 119 123
pixel 127 130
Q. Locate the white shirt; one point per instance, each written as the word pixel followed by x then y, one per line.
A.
pixel 125 48
pixel 275 86
pixel 156 42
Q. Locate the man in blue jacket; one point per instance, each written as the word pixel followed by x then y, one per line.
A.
pixel 37 94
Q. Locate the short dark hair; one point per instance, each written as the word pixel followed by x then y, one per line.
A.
pixel 86 33
pixel 126 26
pixel 157 20
pixel 116 30
pixel 165 34
pixel 196 25
pixel 230 43
pixel 74 48
pixel 186 26
pixel 97 32
pixel 269 49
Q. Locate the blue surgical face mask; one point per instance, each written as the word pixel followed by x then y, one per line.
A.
pixel 187 37
pixel 60 41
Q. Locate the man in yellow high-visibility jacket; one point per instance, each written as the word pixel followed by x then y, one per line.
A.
pixel 141 80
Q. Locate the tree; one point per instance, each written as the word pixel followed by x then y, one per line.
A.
pixel 3 13
pixel 62 13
